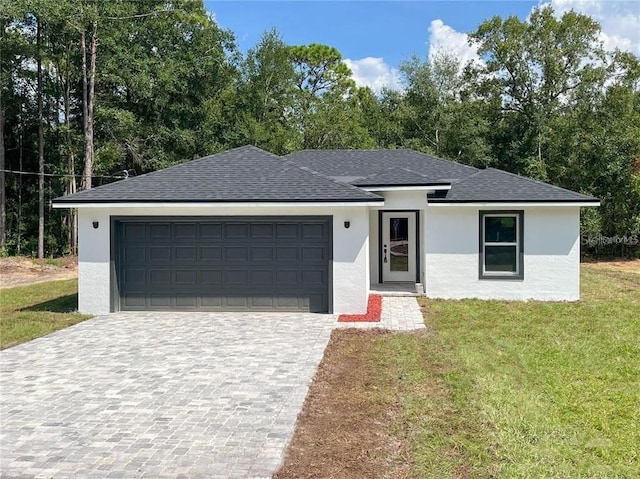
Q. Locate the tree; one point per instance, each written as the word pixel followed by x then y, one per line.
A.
pixel 265 97
pixel 532 68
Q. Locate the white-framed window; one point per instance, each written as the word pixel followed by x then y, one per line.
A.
pixel 501 245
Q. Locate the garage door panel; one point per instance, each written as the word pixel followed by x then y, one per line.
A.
pixel 186 276
pixel 286 231
pixel 236 277
pixel 135 254
pixel 237 302
pixel 185 253
pixel 211 301
pixel 186 300
pixel 135 277
pixel 313 278
pixel 210 231
pixel 286 277
pixel 261 253
pixel 311 254
pixel 314 232
pixel 236 231
pixel 132 300
pixel 210 253
pixel 287 253
pixel 160 254
pixel 160 277
pixel 211 276
pixel 224 264
pixel 261 277
pixel 185 231
pixel 261 231
pixel 158 300
pixel 159 231
pixel 134 232
pixel 236 253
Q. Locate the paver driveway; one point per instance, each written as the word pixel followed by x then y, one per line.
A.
pixel 158 395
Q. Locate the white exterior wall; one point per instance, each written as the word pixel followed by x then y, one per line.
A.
pixel 350 266
pixel 551 255
pixel 399 201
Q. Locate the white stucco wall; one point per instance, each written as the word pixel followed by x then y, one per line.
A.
pixel 350 265
pixel 551 255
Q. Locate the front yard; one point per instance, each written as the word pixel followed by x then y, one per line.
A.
pixel 493 389
pixel 28 312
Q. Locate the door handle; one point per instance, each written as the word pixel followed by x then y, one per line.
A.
pixel 385 254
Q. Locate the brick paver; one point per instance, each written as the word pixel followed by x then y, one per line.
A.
pixel 158 395
pixel 399 313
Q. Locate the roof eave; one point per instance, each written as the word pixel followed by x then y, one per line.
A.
pixel 503 203
pixel 418 187
pixel 212 204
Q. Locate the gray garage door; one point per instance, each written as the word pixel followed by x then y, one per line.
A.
pixel 222 264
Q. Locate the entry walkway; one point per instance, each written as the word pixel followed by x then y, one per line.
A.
pixel 399 313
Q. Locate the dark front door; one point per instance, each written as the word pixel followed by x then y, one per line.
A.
pixel 223 264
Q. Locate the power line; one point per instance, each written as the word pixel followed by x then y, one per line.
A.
pixel 125 174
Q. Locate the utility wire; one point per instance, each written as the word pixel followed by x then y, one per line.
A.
pixel 61 175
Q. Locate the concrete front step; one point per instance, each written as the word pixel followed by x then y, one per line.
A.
pixel 398 289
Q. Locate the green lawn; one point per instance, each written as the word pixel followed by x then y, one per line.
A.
pixel 519 390
pixel 28 312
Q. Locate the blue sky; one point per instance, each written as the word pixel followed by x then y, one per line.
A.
pixel 376 36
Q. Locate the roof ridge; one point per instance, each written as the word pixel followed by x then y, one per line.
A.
pixel 320 175
pixel 532 180
pixel 442 160
pixel 473 175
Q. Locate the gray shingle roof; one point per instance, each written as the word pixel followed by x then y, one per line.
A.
pixel 494 186
pixel 246 174
pixel 364 163
pixel 249 174
pixel 397 177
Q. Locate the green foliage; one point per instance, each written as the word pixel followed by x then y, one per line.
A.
pixel 170 86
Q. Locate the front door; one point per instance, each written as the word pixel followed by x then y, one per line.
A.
pixel 398 246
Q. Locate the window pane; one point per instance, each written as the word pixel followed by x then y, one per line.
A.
pixel 399 247
pixel 500 229
pixel 500 259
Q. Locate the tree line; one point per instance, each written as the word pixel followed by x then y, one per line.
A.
pixel 94 91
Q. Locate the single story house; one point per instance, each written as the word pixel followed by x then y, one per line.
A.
pixel 315 230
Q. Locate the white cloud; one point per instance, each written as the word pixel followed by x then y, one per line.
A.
pixel 444 39
pixel 619 19
pixel 374 73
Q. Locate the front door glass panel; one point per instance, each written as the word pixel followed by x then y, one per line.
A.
pixel 399 244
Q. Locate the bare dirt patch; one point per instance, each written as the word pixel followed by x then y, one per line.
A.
pixel 21 271
pixel 345 429
pixel 629 265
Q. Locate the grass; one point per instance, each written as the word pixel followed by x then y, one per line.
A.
pixel 506 389
pixel 28 312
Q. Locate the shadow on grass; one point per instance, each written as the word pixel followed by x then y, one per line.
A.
pixel 62 304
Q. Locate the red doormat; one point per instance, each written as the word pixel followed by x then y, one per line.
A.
pixel 374 310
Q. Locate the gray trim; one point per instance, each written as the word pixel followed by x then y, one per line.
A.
pixel 481 215
pixel 116 221
pixel 380 246
pixel 417 213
